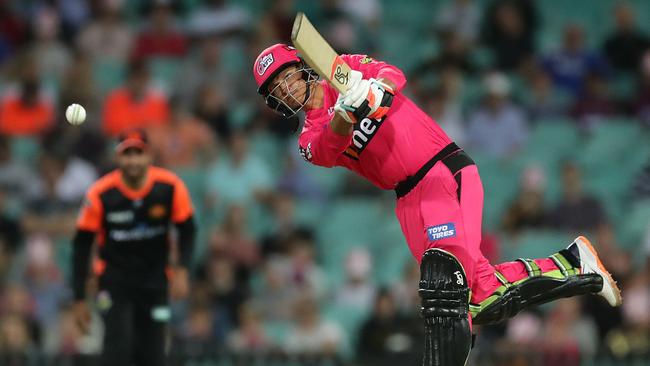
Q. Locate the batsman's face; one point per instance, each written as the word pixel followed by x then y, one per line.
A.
pixel 290 87
pixel 133 162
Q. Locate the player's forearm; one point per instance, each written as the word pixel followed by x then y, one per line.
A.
pixel 186 238
pixel 81 248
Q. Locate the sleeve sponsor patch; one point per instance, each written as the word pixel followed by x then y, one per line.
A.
pixel 366 60
pixel 306 152
pixel 441 231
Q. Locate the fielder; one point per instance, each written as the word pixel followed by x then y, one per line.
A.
pixel 377 132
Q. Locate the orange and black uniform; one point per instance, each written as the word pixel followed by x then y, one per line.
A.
pixel 133 232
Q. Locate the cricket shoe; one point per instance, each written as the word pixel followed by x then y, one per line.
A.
pixel 590 263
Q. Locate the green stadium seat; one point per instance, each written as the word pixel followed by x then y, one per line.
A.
pixel 534 244
pixel 25 148
pixel 164 71
pixel 108 74
pixel 635 225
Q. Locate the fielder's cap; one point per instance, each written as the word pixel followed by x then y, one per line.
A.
pixel 271 62
pixel 136 137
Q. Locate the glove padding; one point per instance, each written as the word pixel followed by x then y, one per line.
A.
pixel 365 98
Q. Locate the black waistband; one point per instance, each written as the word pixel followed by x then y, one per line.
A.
pixel 452 156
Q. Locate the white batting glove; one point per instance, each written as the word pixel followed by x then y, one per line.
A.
pixel 365 98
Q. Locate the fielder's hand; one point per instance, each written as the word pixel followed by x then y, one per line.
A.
pixel 82 316
pixel 365 98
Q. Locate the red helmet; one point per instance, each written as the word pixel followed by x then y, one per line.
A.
pixel 269 64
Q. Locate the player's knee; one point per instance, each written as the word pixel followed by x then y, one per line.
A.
pixel 443 285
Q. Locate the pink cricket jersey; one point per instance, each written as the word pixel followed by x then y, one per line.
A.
pixel 384 151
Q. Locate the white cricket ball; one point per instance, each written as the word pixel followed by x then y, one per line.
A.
pixel 75 114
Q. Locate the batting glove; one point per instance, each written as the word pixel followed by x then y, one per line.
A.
pixel 366 98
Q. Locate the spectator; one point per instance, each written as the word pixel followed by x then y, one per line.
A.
pixel 498 128
pixel 277 21
pixel 11 233
pixel 241 178
pixel 16 347
pixel 274 298
pixel 226 295
pixel 284 226
pixel 641 186
pixel 44 280
pixel 135 105
pixel 17 303
pixel 205 71
pixel 78 86
pixel 185 142
pixel 52 211
pixel 626 44
pixel 461 17
pixel 527 211
pixel 577 211
pixel 509 31
pixel 212 108
pixel 454 54
pixel 595 104
pixel 569 65
pixel 305 275
pixel 444 105
pixel 249 337
pixel 18 181
pixel 216 17
pixel 160 38
pixel 358 291
pixel 26 110
pixel 13 28
pixel 568 335
pixel 543 100
pixel 107 38
pixel 368 11
pixel 388 338
pixel 51 55
pixel 405 289
pixel 641 103
pixel 295 179
pixel 233 241
pixel 310 335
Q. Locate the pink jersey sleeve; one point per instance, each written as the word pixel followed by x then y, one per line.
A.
pixel 320 145
pixel 371 68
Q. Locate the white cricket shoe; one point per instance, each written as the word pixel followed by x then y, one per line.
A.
pixel 590 263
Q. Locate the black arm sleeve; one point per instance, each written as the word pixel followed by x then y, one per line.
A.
pixel 186 237
pixel 81 247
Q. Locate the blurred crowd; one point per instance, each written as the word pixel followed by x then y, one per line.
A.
pixel 265 282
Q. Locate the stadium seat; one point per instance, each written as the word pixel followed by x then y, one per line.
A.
pixel 534 244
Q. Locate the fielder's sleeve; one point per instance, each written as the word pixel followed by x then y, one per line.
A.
pixel 371 68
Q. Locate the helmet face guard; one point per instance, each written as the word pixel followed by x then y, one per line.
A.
pixel 280 105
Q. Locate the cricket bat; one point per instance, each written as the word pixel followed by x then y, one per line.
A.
pixel 318 54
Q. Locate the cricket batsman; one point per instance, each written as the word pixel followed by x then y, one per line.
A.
pixel 377 132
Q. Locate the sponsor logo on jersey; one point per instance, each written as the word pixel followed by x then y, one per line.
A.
pixel 306 152
pixel 366 60
pixel 264 64
pixel 157 211
pixel 441 231
pixel 119 217
pixel 363 132
pixel 142 232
